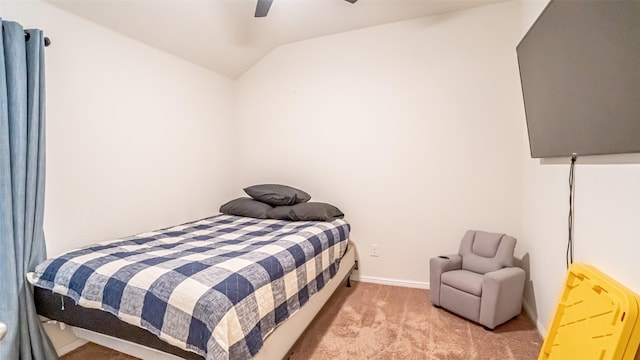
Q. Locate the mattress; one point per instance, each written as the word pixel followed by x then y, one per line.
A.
pixel 215 287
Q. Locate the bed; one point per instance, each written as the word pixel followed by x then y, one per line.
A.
pixel 224 287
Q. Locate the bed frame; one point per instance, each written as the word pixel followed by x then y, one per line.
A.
pixel 106 329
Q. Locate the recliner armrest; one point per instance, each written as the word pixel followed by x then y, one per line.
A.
pixel 502 292
pixel 437 266
pixel 504 274
pixel 446 263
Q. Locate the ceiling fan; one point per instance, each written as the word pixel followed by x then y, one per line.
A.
pixel 262 9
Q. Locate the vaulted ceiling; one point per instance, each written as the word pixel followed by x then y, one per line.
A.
pixel 225 37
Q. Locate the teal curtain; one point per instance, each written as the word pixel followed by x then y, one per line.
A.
pixel 22 163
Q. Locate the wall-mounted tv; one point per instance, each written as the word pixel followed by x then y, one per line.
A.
pixel 580 74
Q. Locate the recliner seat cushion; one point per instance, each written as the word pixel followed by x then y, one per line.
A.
pixel 464 280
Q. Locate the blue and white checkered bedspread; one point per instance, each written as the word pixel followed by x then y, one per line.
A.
pixel 216 286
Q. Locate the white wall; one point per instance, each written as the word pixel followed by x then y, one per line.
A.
pixel 136 139
pixel 421 123
pixel 413 129
pixel 605 223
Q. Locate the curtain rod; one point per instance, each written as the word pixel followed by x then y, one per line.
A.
pixel 47 42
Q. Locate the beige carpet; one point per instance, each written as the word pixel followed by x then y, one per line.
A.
pixel 385 322
pixel 369 321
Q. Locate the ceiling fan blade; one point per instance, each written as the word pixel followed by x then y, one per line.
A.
pixel 351 1
pixel 262 9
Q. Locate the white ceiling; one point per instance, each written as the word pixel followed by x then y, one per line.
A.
pixel 224 36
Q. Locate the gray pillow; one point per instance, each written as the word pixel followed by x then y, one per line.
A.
pixel 246 207
pixel 308 211
pixel 276 195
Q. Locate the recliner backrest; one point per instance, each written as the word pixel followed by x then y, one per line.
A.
pixel 483 252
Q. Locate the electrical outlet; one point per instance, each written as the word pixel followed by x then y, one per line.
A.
pixel 355 267
pixel 374 250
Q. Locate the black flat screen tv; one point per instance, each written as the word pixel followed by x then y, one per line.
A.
pixel 580 74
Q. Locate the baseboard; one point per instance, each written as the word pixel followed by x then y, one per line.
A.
pixel 527 309
pixel 392 282
pixel 70 346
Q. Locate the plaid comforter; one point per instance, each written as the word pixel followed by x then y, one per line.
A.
pixel 216 286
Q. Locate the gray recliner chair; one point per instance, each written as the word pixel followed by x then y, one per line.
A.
pixel 480 282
